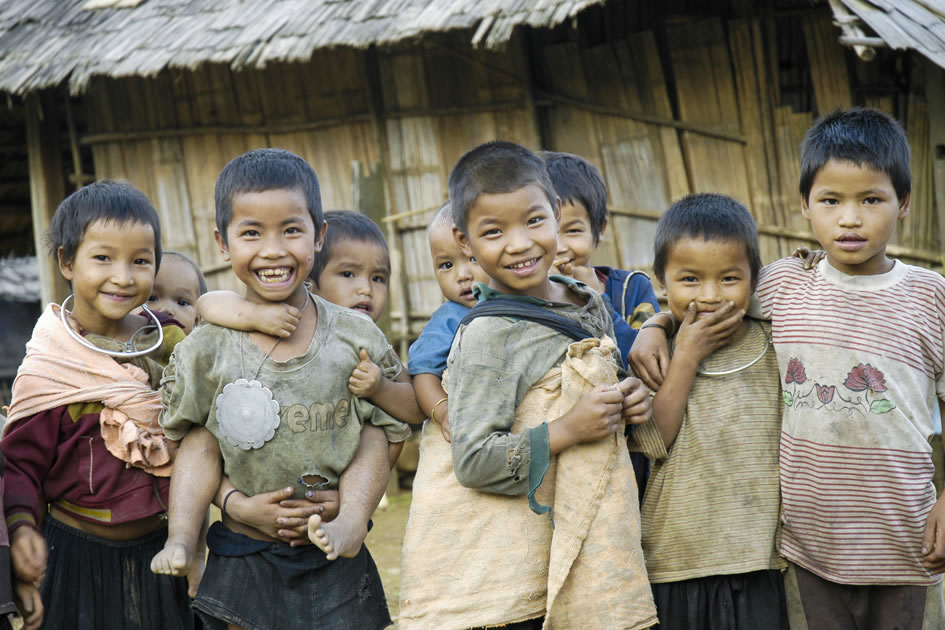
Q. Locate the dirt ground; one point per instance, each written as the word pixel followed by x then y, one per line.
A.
pixel 385 540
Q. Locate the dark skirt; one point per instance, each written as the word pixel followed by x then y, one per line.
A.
pixel 92 582
pixel 258 585
pixel 743 601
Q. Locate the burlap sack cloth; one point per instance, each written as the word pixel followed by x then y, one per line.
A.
pixel 473 559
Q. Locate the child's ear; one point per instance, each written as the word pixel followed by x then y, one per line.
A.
pixel 805 211
pixel 603 228
pixel 904 205
pixel 320 238
pixel 557 210
pixel 462 241
pixel 65 266
pixel 221 244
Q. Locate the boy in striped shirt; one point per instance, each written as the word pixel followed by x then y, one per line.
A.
pixel 861 354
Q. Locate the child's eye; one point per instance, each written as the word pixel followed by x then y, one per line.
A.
pixel 446 266
pixel 153 298
pixel 101 257
pixel 872 201
pixel 535 220
pixel 472 259
pixel 250 233
pixel 347 274
pixel 689 279
pixel 142 261
pixel 183 303
pixel 293 230
pixel 492 232
pixel 829 201
pixel 731 279
pixel 575 231
pixel 379 279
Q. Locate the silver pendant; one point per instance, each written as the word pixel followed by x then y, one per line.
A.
pixel 246 414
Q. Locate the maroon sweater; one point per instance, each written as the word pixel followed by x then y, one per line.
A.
pixel 58 456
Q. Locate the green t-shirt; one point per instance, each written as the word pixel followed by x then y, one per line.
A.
pixel 313 436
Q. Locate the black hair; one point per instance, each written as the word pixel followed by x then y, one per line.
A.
pixel 494 168
pixel 578 181
pixel 712 217
pixel 266 169
pixel 201 280
pixel 100 201
pixel 863 136
pixel 346 225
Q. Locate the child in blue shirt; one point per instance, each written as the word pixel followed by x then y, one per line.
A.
pixel 455 273
pixel 628 295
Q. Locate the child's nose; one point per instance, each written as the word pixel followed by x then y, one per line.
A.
pixel 122 276
pixel 464 272
pixel 519 241
pixel 364 286
pixel 849 215
pixel 273 247
pixel 710 293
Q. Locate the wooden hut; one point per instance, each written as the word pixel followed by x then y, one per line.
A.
pixel 382 97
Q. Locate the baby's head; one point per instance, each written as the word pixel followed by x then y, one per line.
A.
pixel 584 214
pixel 106 238
pixel 855 186
pixel 353 267
pixel 455 271
pixel 706 252
pixel 506 214
pixel 269 223
pixel 176 288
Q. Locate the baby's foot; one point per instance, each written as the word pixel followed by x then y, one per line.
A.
pixel 337 538
pixel 174 559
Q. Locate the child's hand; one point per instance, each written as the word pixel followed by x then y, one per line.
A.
pixel 933 542
pixel 698 338
pixel 649 355
pixel 597 415
pixel 328 501
pixel 444 422
pixel 278 320
pixel 366 379
pixel 29 603
pixel 28 551
pixel 561 267
pixel 811 258
pixel 265 513
pixel 637 406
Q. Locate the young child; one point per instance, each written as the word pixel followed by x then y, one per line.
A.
pixel 282 415
pixel 177 286
pixel 526 405
pixel 351 270
pixel 83 436
pixel 628 295
pixel 710 514
pixel 860 350
pixel 455 274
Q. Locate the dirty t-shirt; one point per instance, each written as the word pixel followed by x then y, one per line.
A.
pixel 313 436
pixel 493 363
pixel 711 505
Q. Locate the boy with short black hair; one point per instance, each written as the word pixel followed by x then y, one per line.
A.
pixel 710 514
pixel 584 217
pixel 860 351
pixel 526 405
pixel 283 416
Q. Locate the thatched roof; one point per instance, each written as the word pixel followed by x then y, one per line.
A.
pixel 902 24
pixel 49 42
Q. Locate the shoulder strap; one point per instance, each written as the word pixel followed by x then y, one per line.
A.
pixel 500 307
pixel 623 298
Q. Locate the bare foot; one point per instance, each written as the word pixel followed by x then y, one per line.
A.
pixel 174 559
pixel 337 538
pixel 195 575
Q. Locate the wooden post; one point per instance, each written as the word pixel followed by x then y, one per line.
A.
pixel 47 186
pixel 935 97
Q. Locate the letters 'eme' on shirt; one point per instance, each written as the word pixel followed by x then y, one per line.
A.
pixel 493 363
pixel 861 364
pixel 711 505
pixel 320 420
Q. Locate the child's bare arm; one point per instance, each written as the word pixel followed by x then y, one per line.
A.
pixel 395 397
pixel 933 542
pixel 231 310
pixel 361 485
pixel 432 398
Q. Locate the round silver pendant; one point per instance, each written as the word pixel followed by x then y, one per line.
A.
pixel 246 414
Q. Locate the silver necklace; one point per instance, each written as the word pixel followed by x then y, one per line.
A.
pixel 740 368
pixel 246 412
pixel 129 352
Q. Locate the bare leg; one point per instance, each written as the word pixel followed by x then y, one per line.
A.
pixel 361 486
pixel 194 481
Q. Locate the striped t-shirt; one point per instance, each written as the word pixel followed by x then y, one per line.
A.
pixel 711 505
pixel 861 363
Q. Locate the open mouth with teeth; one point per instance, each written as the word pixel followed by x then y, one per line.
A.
pixel 525 267
pixel 275 275
pixel 466 294
pixel 364 307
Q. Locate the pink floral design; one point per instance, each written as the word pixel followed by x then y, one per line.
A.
pixel 863 377
pixel 825 393
pixel 795 372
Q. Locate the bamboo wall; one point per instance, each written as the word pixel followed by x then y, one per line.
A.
pixel 696 105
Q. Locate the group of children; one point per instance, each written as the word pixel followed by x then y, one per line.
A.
pixel 779 477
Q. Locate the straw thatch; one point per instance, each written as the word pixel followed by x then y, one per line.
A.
pixel 44 43
pixel 902 24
